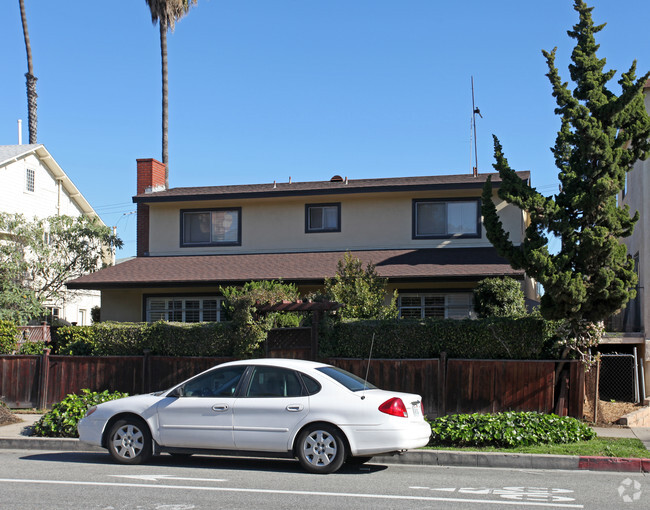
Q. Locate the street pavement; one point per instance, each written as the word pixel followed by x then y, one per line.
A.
pixel 17 436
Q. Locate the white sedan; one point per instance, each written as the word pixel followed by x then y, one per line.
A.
pixel 267 407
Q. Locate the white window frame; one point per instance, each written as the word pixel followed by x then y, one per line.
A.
pixel 30 180
pixel 447 307
pixel 183 309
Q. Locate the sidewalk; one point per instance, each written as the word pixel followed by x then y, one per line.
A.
pixel 16 436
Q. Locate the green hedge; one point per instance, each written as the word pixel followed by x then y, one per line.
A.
pixel 161 338
pixel 511 429
pixel 493 338
pixel 8 335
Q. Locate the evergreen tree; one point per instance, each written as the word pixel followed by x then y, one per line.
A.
pixel 362 291
pixel 602 134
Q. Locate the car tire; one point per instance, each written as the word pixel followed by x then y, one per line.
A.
pixel 321 449
pixel 129 441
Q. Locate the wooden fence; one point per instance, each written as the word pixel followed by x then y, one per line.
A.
pixel 447 386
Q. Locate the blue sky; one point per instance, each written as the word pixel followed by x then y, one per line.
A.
pixel 261 90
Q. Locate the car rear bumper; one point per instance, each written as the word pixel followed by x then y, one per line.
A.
pixel 375 440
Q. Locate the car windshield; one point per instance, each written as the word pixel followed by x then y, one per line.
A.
pixel 350 381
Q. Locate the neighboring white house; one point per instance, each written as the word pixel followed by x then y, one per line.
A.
pixel 33 184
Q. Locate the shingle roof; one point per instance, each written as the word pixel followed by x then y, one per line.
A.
pixel 463 181
pixel 9 152
pixel 203 270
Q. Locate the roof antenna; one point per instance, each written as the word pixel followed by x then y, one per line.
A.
pixel 365 381
pixel 475 111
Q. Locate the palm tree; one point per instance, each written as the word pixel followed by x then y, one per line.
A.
pixel 31 79
pixel 166 13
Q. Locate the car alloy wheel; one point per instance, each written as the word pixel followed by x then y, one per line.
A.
pixel 321 449
pixel 129 441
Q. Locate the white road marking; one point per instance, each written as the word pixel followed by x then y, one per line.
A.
pixel 542 494
pixel 294 493
pixel 155 478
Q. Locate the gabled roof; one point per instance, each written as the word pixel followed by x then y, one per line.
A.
pixel 12 153
pixel 334 186
pixel 431 264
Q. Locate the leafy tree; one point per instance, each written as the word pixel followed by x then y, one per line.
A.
pixel 166 13
pixel 31 79
pixel 38 257
pixel 499 297
pixel 251 329
pixel 362 291
pixel 601 137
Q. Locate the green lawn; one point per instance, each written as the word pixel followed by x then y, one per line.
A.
pixel 600 447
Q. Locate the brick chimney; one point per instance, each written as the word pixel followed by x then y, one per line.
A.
pixel 151 178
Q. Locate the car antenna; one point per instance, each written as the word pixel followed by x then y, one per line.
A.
pixel 365 381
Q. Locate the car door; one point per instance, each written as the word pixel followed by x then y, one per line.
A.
pixel 201 415
pixel 270 410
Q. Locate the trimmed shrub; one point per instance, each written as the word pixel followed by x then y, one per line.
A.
pixel 62 420
pixel 8 337
pixel 499 297
pixel 160 338
pixel 33 348
pixel 495 338
pixel 510 429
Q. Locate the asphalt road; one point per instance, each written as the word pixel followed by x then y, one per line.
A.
pixel 31 479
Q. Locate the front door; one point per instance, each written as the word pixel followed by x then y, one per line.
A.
pixel 202 416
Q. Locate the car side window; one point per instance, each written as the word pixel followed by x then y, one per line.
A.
pixel 312 385
pixel 220 382
pixel 273 382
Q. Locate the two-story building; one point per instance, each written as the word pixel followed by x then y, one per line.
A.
pixel 629 331
pixel 423 233
pixel 34 185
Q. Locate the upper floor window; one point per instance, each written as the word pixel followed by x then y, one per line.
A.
pixel 323 217
pixel 211 227
pixel 30 178
pixel 445 218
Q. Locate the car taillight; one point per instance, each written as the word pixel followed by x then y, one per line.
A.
pixel 394 407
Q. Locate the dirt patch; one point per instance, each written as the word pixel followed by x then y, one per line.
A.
pixel 7 417
pixel 608 412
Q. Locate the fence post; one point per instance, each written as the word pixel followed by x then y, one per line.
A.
pixel 314 334
pixel 45 376
pixel 146 370
pixel 442 385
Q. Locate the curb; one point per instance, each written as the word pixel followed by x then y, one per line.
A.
pixel 444 458
pixel 46 443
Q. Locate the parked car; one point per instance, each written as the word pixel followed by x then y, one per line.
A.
pixel 267 407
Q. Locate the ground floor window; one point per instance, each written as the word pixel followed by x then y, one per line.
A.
pixel 185 309
pixel 456 305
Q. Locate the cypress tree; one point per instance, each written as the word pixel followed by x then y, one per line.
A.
pixel 601 136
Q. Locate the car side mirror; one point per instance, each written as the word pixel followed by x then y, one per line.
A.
pixel 176 392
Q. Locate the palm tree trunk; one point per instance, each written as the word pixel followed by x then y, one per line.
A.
pixel 165 104
pixel 31 79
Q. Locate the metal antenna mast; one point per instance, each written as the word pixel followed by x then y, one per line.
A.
pixel 475 111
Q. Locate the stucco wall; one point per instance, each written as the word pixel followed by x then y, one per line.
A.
pixel 368 221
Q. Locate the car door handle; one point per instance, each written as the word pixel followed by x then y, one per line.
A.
pixel 295 407
pixel 220 407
